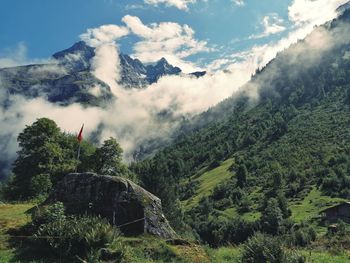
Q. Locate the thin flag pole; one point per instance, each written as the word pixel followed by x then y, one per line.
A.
pixel 78 155
pixel 79 138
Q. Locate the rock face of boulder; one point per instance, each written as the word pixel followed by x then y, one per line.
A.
pixel 125 204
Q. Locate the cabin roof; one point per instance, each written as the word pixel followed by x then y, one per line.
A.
pixel 334 206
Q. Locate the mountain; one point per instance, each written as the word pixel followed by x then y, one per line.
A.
pixel 285 136
pixel 341 9
pixel 67 78
pixel 135 74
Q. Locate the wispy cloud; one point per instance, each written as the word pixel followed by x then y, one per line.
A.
pixel 180 4
pixel 17 56
pixel 272 24
pixel 134 6
pixel 238 2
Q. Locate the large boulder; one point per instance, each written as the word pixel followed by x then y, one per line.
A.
pixel 125 204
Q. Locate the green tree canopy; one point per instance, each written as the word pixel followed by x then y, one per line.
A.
pixel 44 156
pixel 108 159
pixel 40 153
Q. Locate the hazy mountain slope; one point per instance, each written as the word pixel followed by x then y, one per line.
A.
pixel 54 84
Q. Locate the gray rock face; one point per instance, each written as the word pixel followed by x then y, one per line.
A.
pixel 53 83
pixel 125 204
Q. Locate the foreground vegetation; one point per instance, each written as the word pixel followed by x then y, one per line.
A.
pixel 14 220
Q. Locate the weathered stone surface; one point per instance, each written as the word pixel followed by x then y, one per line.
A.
pixel 122 202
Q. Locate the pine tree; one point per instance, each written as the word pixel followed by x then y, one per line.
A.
pixel 272 217
pixel 242 174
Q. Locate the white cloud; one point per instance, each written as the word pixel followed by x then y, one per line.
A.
pixel 180 4
pixel 314 12
pixel 106 65
pixel 103 35
pixel 170 40
pixel 272 24
pixel 238 2
pixel 218 64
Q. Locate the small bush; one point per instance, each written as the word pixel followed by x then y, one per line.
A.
pixel 302 237
pixel 49 214
pixel 84 237
pixel 263 248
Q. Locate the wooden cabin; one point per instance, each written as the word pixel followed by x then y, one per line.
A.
pixel 340 211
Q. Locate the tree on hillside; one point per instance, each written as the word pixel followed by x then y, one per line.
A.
pixel 347 96
pixel 45 155
pixel 242 174
pixel 108 159
pixel 39 157
pixel 272 217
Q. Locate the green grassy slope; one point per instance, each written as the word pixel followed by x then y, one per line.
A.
pixel 12 216
pixel 311 206
pixel 208 180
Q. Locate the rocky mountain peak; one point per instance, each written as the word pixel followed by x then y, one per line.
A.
pixel 162 62
pixel 76 58
pixel 161 68
pixel 79 47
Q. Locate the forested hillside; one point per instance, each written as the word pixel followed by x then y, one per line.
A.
pixel 287 132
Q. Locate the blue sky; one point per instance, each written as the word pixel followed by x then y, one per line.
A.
pixel 38 28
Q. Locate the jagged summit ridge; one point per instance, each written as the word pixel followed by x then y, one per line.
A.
pixel 133 74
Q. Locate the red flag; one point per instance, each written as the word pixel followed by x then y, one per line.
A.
pixel 80 135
